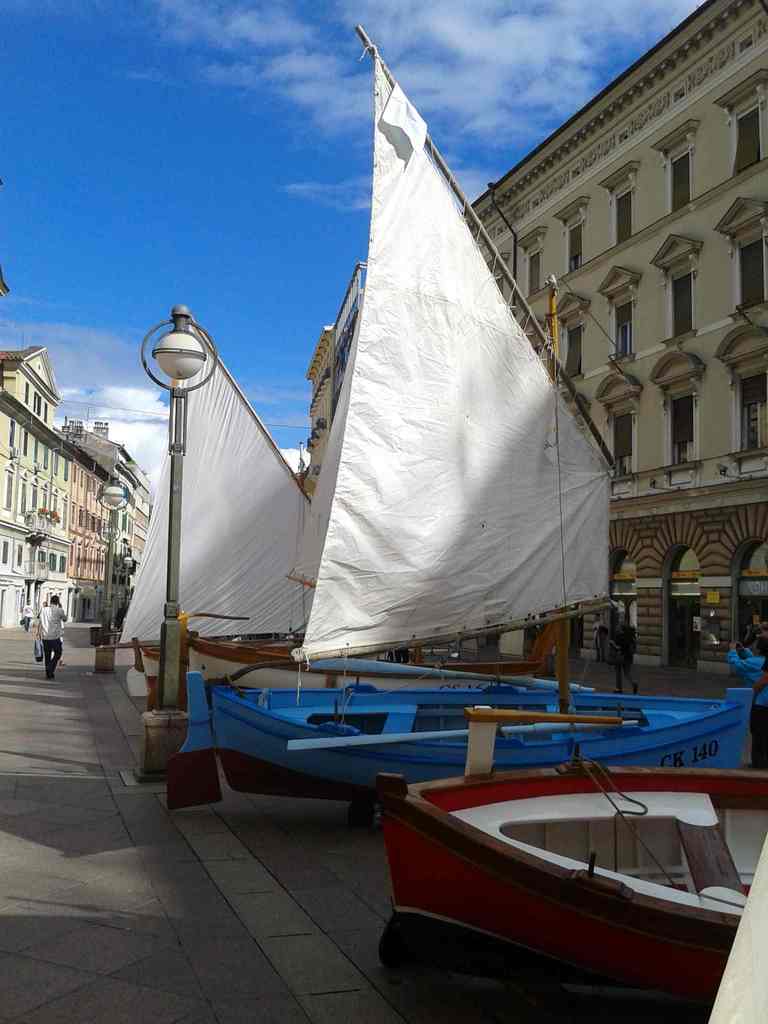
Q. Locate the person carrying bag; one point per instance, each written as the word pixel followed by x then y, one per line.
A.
pixel 49 631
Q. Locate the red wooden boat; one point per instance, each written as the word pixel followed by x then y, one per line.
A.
pixel 634 876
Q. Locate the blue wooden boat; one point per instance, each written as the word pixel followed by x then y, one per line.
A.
pixel 332 744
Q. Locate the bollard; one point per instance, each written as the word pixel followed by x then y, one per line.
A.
pixel 104 660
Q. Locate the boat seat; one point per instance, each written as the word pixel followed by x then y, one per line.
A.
pixel 709 859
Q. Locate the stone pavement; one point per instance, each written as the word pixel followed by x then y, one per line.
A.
pixel 257 909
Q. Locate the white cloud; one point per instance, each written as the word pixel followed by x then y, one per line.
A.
pixel 349 195
pixel 292 456
pixel 479 69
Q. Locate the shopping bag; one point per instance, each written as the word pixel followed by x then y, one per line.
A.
pixel 38 649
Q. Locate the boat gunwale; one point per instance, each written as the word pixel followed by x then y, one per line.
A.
pixel 639 912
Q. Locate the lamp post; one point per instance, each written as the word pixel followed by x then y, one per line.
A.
pixel 113 496
pixel 183 353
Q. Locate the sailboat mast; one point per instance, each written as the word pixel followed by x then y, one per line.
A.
pixel 564 625
pixel 524 314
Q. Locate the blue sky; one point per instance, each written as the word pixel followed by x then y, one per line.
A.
pixel 218 153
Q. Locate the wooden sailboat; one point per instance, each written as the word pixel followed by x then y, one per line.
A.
pixel 628 876
pixel 459 496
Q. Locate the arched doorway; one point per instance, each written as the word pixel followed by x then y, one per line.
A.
pixel 623 589
pixel 752 582
pixel 683 608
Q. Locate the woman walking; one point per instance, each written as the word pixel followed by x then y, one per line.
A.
pixel 752 667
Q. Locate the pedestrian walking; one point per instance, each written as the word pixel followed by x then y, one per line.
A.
pixel 27 614
pixel 50 629
pixel 623 647
pixel 597 640
pixel 752 667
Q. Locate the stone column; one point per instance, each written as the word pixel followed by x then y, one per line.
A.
pixel 650 611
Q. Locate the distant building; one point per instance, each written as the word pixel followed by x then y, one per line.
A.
pixel 34 486
pixel 650 206
pixel 326 373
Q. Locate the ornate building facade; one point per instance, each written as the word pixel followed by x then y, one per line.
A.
pixel 650 207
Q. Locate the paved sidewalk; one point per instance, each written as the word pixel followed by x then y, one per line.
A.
pixel 260 909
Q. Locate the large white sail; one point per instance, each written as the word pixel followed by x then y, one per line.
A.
pixel 242 520
pixel 465 495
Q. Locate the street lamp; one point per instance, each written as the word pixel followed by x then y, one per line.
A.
pixel 183 353
pixel 113 496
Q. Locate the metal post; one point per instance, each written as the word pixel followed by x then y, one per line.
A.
pixel 106 611
pixel 170 633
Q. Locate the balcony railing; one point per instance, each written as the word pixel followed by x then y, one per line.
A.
pixel 37 523
pixel 36 570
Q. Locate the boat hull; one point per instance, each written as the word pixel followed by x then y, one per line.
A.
pixel 251 732
pixel 456 888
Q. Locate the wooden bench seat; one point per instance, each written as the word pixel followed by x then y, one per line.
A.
pixel 709 859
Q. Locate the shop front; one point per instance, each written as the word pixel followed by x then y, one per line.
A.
pixel 684 610
pixel 752 605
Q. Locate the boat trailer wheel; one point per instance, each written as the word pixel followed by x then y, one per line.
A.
pixel 392 948
pixel 361 813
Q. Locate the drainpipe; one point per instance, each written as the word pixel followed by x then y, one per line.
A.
pixel 498 209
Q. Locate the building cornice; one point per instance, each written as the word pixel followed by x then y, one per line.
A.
pixel 607 122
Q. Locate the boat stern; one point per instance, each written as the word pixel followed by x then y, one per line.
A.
pixel 193 773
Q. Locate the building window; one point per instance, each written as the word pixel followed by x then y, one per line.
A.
pixel 8 490
pixel 623 316
pixel 55 502
pixel 747 139
pixel 52 562
pixel 45 456
pixel 754 426
pixel 12 433
pixel 682 304
pixel 55 463
pixel 64 508
pixel 573 357
pixel 26 393
pixel 26 442
pixel 23 499
pixel 534 272
pixel 80 515
pixel 41 556
pixel 575 241
pixel 66 469
pixel 37 451
pixel 622 444
pixel 751 273
pixel 37 404
pixel 45 411
pixel 6 552
pixel 19 554
pixel 623 217
pixel 681 181
pixel 62 563
pixel 682 430
pixel 34 497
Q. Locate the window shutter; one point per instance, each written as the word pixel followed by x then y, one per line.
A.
pixel 682 304
pixel 681 181
pixel 751 269
pixel 748 140
pixel 623 217
pixel 573 359
pixel 622 435
pixel 682 419
pixel 534 272
pixel 753 390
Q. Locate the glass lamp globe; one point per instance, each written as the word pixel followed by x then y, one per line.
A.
pixel 180 355
pixel 113 495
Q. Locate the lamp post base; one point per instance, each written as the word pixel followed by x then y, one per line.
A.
pixel 164 734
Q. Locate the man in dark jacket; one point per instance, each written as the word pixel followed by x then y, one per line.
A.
pixel 623 648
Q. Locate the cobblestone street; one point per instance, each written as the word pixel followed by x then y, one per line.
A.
pixel 260 909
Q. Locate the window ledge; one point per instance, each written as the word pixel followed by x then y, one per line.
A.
pixel 691 464
pixel 678 339
pixel 749 453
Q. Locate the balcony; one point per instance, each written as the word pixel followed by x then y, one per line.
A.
pixel 37 571
pixel 41 524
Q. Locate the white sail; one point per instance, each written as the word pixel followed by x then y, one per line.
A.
pixel 453 508
pixel 743 994
pixel 242 520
